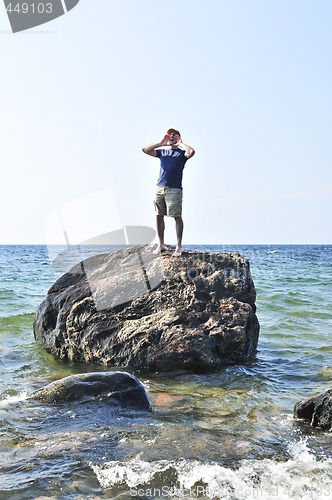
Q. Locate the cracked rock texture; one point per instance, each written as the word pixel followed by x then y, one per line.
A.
pixel 132 308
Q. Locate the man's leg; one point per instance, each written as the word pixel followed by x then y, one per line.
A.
pixel 179 233
pixel 160 222
pixel 173 199
pixel 160 208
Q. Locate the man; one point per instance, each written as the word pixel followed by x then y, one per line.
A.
pixel 173 155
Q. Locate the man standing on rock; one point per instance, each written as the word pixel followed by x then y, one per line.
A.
pixel 173 155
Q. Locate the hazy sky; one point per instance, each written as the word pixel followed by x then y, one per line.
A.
pixel 247 82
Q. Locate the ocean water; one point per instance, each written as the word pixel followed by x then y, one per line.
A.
pixel 223 435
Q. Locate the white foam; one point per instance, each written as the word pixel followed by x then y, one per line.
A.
pixel 300 451
pixel 11 400
pixel 302 477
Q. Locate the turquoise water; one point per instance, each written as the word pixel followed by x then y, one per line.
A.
pixel 223 435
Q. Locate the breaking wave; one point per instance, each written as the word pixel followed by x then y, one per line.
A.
pixel 303 476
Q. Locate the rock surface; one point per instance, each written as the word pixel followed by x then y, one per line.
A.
pixel 316 410
pixel 117 388
pixel 132 308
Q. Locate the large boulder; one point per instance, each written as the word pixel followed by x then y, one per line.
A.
pixel 116 388
pixel 316 410
pixel 150 312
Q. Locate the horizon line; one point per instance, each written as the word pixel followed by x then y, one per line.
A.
pixel 141 244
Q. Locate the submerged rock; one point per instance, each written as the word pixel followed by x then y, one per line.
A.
pixel 152 312
pixel 117 388
pixel 316 410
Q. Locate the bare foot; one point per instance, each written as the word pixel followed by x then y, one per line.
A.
pixel 177 252
pixel 159 249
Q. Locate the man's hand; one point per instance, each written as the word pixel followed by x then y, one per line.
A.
pixel 178 140
pixel 164 141
pixel 171 140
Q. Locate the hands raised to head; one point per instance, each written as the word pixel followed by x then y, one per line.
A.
pixel 171 140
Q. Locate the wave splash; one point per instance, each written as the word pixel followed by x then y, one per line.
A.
pixel 12 400
pixel 303 476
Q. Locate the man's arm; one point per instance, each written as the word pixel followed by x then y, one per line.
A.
pixel 150 149
pixel 189 151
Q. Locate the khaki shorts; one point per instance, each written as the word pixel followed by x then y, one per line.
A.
pixel 168 201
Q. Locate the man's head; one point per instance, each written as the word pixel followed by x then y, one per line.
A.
pixel 172 130
pixel 174 135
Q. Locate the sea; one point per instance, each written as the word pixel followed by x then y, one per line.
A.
pixel 228 434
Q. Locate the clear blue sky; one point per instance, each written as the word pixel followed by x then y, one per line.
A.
pixel 247 82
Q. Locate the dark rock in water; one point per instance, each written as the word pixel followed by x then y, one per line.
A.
pixel 117 388
pixel 316 410
pixel 152 312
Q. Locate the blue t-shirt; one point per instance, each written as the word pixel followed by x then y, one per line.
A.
pixel 172 162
